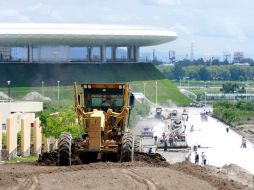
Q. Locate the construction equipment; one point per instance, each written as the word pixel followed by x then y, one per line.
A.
pixel 103 112
pixel 173 115
pixel 145 142
pixel 176 137
pixel 158 113
pixel 204 116
pixel 185 115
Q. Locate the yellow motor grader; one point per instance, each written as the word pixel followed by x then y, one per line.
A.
pixel 103 112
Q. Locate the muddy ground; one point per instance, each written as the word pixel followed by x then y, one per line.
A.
pixel 145 172
pixel 246 130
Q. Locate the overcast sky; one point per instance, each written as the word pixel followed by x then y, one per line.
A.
pixel 214 26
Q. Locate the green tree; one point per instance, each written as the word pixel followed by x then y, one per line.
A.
pixel 178 71
pixel 229 87
pixel 203 74
pixel 59 122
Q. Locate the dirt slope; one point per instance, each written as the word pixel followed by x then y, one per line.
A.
pixel 134 175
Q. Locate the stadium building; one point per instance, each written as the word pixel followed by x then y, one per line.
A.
pixel 30 48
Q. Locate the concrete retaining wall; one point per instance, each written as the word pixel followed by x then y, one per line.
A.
pixel 1 137
pixel 37 136
pixel 26 130
pixel 25 135
pixel 11 135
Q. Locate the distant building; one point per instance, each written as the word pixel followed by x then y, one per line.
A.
pixel 172 56
pixel 238 56
pixel 68 43
pixel 5 53
pixel 242 64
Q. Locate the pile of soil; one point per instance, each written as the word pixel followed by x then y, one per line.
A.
pixel 3 96
pixel 50 158
pixel 153 159
pixel 236 173
pixel 32 96
pixel 225 178
pixel 205 174
pixel 246 130
pixel 146 170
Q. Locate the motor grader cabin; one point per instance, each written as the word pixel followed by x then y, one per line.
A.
pixel 103 112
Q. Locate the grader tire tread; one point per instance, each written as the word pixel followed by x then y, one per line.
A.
pixel 64 150
pixel 137 144
pixel 127 147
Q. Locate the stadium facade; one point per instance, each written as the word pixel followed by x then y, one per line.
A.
pixel 67 43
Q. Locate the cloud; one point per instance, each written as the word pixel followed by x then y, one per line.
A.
pixel 180 28
pixel 10 14
pixel 162 2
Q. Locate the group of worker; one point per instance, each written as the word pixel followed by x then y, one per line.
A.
pixel 196 160
pixel 171 139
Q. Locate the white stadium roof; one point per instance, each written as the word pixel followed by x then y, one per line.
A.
pixel 19 34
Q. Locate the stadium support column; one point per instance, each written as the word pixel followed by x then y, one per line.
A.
pixel 131 53
pixel 113 55
pixel 136 53
pixel 89 54
pixel 103 54
pixel 30 53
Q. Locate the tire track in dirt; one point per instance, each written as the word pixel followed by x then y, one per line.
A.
pixel 139 180
pixel 28 183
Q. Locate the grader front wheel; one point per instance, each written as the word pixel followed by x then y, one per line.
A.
pixel 127 148
pixel 64 149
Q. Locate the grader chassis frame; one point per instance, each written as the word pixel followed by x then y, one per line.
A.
pixel 103 112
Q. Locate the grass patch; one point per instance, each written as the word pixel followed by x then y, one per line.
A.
pixel 167 92
pixel 22 159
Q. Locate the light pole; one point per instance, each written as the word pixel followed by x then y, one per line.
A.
pixel 156 92
pixel 205 93
pixel 9 89
pixel 205 98
pixel 58 89
pixel 144 91
pixel 42 88
pixel 188 82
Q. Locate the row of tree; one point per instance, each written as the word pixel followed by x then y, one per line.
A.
pixel 234 113
pixel 201 72
pixel 213 61
pixel 230 87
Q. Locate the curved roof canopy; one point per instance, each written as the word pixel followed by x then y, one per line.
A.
pixel 17 34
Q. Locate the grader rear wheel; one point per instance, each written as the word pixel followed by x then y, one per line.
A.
pixel 127 148
pixel 64 149
pixel 137 144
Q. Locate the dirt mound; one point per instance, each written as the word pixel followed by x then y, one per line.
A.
pixel 35 96
pixel 154 159
pixel 3 96
pixel 50 158
pixel 246 130
pixel 236 173
pixel 205 174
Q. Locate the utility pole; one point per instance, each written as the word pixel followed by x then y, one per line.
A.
pixel 156 92
pixel 9 90
pixel 192 52
pixel 154 56
pixel 58 89
pixel 205 98
pixel 42 88
pixel 144 91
